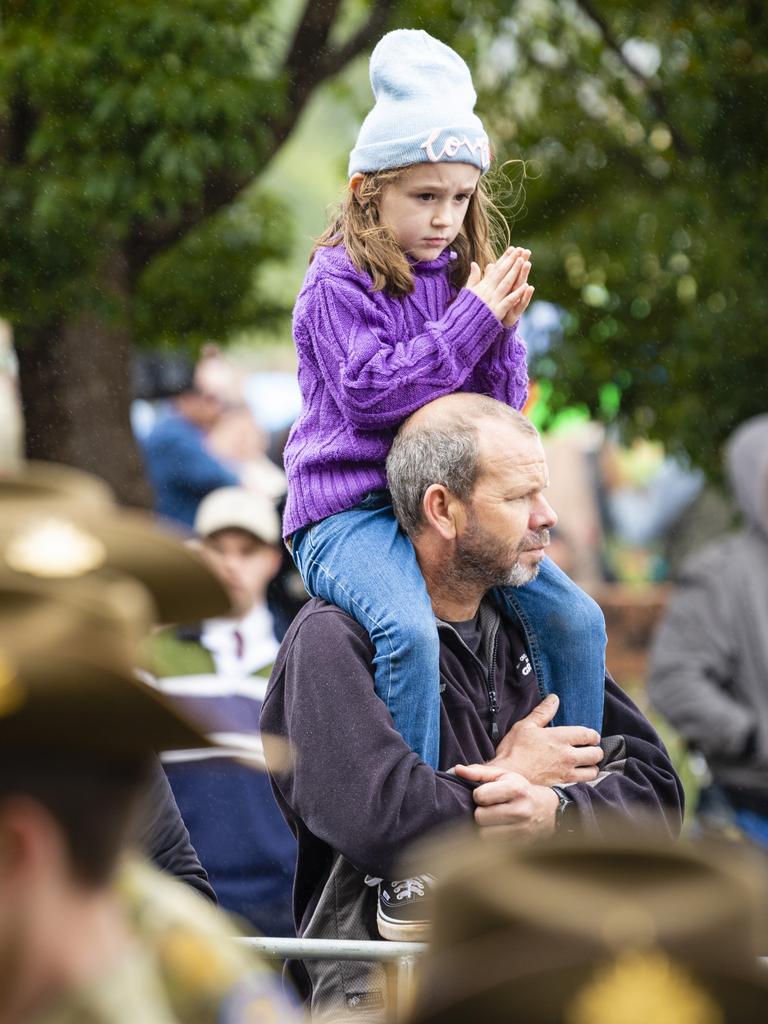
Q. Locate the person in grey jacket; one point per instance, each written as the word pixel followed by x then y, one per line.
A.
pixel 709 664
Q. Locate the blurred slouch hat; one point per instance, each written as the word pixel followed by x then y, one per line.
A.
pixel 67 680
pixel 59 524
pixel 590 931
pixel 81 584
pixel 424 110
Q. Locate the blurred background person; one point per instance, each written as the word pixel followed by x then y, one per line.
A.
pixel 207 437
pixel 579 537
pixel 709 664
pixel 219 669
pixel 181 466
pixel 236 437
pixel 250 436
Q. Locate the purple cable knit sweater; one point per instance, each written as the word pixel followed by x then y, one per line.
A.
pixel 368 360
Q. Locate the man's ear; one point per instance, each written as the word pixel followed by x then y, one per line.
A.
pixel 28 835
pixel 442 511
pixel 354 183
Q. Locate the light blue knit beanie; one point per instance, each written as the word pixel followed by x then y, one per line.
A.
pixel 424 111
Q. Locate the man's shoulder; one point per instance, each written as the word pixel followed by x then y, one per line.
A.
pixel 319 616
pixel 321 629
pixel 202 969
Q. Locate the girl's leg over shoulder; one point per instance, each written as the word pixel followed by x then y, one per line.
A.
pixel 565 631
pixel 361 561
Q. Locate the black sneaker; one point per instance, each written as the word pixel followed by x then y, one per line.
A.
pixel 401 916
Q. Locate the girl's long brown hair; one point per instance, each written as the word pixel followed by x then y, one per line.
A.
pixel 372 247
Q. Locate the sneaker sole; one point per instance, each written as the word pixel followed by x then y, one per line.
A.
pixel 395 931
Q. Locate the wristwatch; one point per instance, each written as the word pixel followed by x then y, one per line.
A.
pixel 562 815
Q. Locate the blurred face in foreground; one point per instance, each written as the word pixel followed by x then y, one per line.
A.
pixel 507 520
pixel 244 564
pixel 61 924
pixel 29 847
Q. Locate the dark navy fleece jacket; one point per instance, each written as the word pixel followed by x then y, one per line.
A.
pixel 358 789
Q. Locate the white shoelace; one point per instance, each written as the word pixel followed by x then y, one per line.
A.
pixel 406 887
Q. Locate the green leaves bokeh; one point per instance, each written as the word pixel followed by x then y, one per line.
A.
pixel 642 128
pixel 647 205
pixel 117 120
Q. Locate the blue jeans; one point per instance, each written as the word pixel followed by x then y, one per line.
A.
pixel 361 561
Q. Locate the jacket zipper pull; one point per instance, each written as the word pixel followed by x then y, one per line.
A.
pixel 493 704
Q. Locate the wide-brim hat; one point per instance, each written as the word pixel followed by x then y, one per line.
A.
pixel 66 671
pixel 54 485
pixel 72 703
pixel 580 930
pixel 59 524
pixel 641 987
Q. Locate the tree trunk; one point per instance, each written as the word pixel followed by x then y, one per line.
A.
pixel 76 391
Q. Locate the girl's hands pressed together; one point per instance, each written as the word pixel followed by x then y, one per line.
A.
pixel 503 286
pixel 522 292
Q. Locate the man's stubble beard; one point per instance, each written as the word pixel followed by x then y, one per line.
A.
pixel 482 561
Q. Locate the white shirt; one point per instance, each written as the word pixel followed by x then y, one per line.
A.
pixel 260 647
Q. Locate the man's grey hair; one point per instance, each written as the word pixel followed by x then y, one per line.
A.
pixel 446 452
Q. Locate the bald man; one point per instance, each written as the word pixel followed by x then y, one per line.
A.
pixel 468 478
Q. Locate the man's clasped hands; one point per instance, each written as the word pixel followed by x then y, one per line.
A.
pixel 513 791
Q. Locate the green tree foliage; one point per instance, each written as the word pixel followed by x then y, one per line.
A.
pixel 647 202
pixel 123 125
pixel 133 135
pixel 130 136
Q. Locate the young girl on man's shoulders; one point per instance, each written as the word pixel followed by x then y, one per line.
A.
pixel 405 300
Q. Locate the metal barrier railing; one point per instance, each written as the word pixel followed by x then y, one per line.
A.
pixel 400 956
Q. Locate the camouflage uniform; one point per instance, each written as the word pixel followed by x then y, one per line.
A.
pixel 185 966
pixel 80 582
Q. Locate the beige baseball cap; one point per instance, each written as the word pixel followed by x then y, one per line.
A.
pixel 235 508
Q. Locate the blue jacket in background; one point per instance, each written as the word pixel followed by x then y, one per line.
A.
pixel 227 805
pixel 181 470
